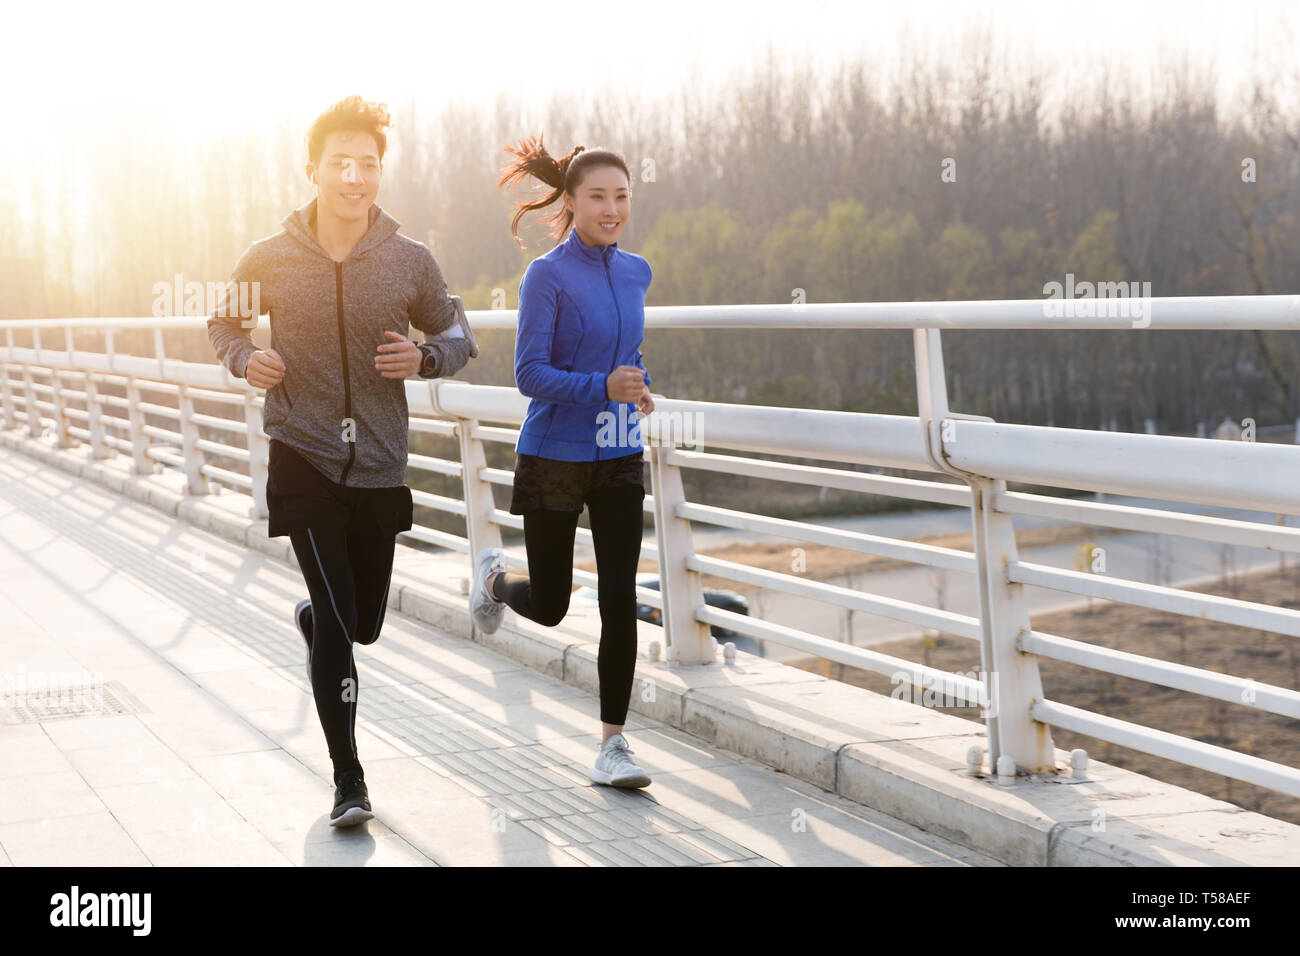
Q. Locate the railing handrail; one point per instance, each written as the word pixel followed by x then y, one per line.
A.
pixel 1205 313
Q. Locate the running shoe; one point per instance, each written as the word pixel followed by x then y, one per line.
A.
pixel 302 614
pixel 351 801
pixel 615 768
pixel 485 610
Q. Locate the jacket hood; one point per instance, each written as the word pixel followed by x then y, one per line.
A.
pixel 301 224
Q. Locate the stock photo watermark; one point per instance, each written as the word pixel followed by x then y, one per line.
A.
pixel 127 910
pixel 229 300
pixel 42 692
pixel 1098 300
pixel 947 690
pixel 624 429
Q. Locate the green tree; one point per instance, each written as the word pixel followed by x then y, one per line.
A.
pixel 964 262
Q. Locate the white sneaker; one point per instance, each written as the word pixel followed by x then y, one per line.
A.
pixel 485 610
pixel 615 768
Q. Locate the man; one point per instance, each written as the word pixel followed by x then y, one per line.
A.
pixel 341 286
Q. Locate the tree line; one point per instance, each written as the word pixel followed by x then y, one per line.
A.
pixel 939 181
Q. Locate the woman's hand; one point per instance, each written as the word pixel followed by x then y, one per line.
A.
pixel 644 403
pixel 625 383
pixel 399 358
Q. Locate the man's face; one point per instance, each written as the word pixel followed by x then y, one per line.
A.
pixel 347 177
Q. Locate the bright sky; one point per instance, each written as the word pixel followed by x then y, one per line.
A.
pixel 200 68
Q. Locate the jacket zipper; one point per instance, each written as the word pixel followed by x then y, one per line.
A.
pixel 347 384
pixel 618 312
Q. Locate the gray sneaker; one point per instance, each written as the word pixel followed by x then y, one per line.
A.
pixel 485 610
pixel 615 768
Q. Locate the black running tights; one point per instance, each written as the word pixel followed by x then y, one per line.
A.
pixel 543 594
pixel 347 574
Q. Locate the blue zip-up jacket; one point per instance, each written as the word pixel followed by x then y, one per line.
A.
pixel 581 315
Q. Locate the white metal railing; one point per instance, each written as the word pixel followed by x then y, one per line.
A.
pixel 982 455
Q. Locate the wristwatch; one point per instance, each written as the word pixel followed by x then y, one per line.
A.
pixel 428 364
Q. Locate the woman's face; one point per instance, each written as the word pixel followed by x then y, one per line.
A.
pixel 601 205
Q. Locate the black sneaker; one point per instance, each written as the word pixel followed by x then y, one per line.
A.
pixel 302 614
pixel 351 801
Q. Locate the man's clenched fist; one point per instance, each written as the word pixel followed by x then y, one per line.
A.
pixel 265 369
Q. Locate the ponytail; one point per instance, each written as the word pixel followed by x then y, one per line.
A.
pixel 563 175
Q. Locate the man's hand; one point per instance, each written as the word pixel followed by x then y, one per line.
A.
pixel 399 358
pixel 625 383
pixel 265 369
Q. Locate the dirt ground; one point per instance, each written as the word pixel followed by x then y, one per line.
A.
pixel 1267 658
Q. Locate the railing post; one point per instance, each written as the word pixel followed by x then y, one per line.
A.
pixel 60 410
pixel 682 593
pixel 7 418
pixel 481 530
pixel 142 463
pixel 1011 678
pixel 95 422
pixel 196 483
pixel 29 395
pixel 259 450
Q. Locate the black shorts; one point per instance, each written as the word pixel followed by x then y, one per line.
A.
pixel 300 497
pixel 554 485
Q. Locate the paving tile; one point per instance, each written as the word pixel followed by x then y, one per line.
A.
pixel 25 754
pixel 262 771
pixel 219 845
pixel 171 805
pixel 206 730
pixel 143 761
pixel 35 796
pixel 90 732
pixel 90 839
pixel 729 792
pixel 356 846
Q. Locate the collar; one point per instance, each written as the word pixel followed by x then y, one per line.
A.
pixel 598 254
pixel 301 224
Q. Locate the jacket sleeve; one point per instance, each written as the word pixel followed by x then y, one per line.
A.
pixel 536 377
pixel 439 316
pixel 230 333
pixel 639 362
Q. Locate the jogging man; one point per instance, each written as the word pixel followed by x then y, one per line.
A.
pixel 341 286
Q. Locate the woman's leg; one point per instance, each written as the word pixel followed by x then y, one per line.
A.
pixel 542 595
pixel 322 554
pixel 616 530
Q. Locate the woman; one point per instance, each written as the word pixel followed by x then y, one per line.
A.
pixel 577 356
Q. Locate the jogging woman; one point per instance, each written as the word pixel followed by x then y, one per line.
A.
pixel 578 357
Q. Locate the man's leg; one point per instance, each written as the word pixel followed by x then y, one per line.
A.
pixel 323 557
pixel 616 531
pixel 542 595
pixel 372 542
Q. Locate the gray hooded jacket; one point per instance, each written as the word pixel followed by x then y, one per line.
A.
pixel 327 321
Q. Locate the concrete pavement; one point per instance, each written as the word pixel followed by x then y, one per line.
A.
pixel 205 748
